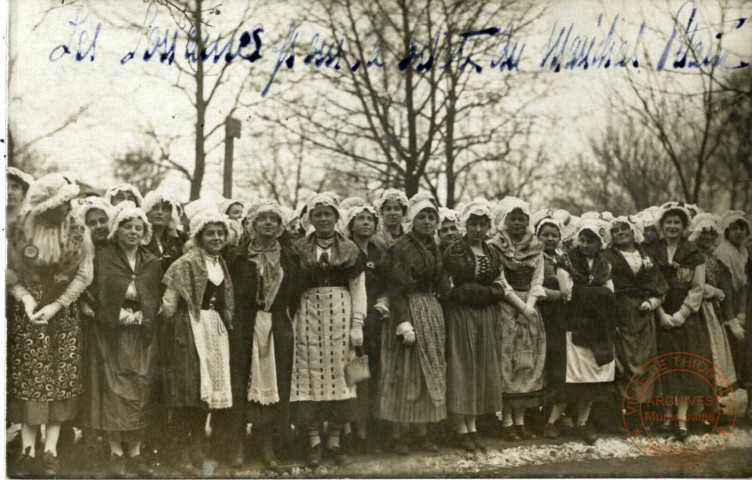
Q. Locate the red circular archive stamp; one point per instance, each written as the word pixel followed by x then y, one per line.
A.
pixel 645 409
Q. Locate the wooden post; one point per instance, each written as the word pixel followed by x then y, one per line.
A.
pixel 232 131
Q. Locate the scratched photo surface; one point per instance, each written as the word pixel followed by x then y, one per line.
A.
pixel 582 105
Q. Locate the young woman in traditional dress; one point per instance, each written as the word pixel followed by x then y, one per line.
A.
pixel 732 252
pixel 266 281
pixel 472 309
pixel 449 226
pixel 49 266
pixel 162 210
pixel 523 333
pixel 328 327
pixel 124 192
pixel 127 292
pixel 413 373
pixel 360 223
pixel 639 289
pixel 681 328
pixel 18 185
pixel 392 205
pixel 586 284
pixel 717 300
pixel 197 309
pixel 553 312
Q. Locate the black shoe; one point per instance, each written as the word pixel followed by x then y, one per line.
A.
pixel 479 444
pixel 399 447
pixel 427 445
pixel 267 454
pixel 663 429
pixel 141 467
pixel 551 431
pixel 465 442
pixel 237 457
pixel 359 446
pixel 524 433
pixel 339 455
pixel 346 442
pixel 587 433
pixel 23 464
pixel 118 466
pixel 510 434
pixel 313 459
pixel 50 465
pixel 682 434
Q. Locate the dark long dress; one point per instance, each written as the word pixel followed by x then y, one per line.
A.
pixel 181 365
pixel 691 336
pixel 172 249
pixel 553 313
pixel 246 282
pixel 636 339
pixel 474 346
pixel 124 374
pixel 367 391
pixel 413 379
pixel 591 326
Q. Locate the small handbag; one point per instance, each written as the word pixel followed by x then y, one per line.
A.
pixel 356 369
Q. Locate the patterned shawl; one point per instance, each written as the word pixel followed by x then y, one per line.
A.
pixel 526 252
pixel 269 268
pixel 188 277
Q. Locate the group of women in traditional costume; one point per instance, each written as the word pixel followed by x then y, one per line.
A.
pixel 130 316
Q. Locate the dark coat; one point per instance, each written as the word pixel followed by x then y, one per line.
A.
pixel 246 281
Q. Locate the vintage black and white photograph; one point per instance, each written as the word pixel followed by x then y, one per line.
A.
pixel 377 238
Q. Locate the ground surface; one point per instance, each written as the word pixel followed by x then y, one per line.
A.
pixel 612 456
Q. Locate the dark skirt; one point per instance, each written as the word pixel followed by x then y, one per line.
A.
pixel 474 352
pixel 122 376
pixel 594 392
pixel 553 314
pixel 241 349
pixel 313 414
pixel 690 337
pixel 635 344
pixel 181 370
pixel 42 413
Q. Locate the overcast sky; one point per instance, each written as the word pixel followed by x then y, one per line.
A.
pixel 125 97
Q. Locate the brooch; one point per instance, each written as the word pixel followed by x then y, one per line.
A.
pixel 30 251
pixel 370 265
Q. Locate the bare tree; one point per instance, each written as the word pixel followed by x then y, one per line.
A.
pixel 207 65
pixel 405 102
pixel 682 103
pixel 626 171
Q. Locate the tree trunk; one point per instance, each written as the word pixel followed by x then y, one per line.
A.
pixel 200 165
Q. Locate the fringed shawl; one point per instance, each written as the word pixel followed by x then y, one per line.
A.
pixel 188 277
pixel 414 266
pixel 648 282
pixel 526 252
pixel 582 273
pixel 344 256
pixel 687 255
